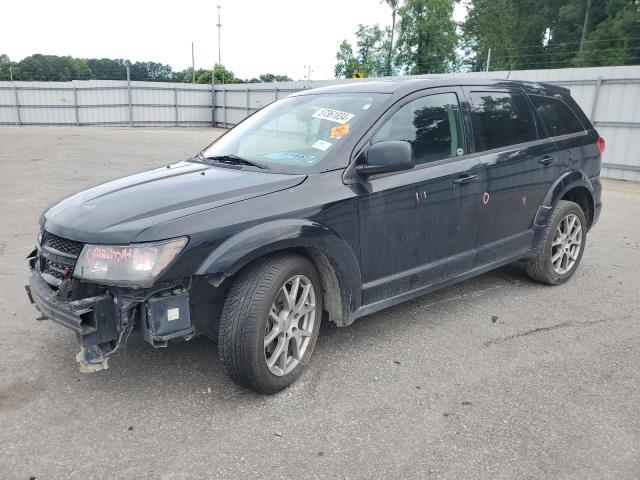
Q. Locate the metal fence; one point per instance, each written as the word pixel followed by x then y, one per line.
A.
pixel 105 102
pixel 610 96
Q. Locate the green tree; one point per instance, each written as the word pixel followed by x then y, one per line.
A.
pixel 107 68
pixel 373 48
pixel 51 68
pixel 371 58
pixel 551 33
pixel 221 75
pixel 270 77
pixel 614 40
pixel 568 26
pixel 185 75
pixel 427 37
pixel 202 76
pixel 150 71
pixel 347 64
pixel 5 63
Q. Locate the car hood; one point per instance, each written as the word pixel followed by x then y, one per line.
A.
pixel 117 211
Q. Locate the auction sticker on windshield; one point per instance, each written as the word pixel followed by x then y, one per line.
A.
pixel 339 131
pixel 333 115
pixel 321 145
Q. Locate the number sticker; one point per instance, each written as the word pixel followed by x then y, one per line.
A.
pixel 333 115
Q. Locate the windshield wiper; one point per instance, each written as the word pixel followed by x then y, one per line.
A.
pixel 231 160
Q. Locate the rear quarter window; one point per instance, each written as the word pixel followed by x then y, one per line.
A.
pixel 500 119
pixel 556 115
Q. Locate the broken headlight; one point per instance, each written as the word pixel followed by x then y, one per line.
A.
pixel 138 264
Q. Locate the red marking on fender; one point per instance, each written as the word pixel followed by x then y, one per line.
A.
pixel 485 198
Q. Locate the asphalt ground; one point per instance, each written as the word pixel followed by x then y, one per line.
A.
pixel 496 377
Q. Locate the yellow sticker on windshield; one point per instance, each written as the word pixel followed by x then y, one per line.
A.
pixel 340 131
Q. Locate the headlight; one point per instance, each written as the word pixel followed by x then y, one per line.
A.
pixel 138 264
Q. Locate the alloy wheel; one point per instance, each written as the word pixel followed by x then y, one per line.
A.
pixel 566 244
pixel 290 325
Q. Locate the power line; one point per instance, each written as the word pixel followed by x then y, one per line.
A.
pixel 586 61
pixel 561 44
pixel 568 52
pixel 573 63
pixel 569 61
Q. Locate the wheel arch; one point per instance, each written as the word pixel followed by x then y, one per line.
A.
pixel 574 186
pixel 584 198
pixel 332 256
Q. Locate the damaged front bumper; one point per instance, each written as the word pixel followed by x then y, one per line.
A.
pixel 78 315
pixel 101 317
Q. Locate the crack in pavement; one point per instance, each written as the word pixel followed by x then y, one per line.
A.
pixel 496 341
pixel 472 294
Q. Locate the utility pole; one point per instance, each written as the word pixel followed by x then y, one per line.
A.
pixel 10 73
pixel 585 25
pixel 488 59
pixel 219 25
pixel 308 67
pixel 193 65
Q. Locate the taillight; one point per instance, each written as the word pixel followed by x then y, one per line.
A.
pixel 600 144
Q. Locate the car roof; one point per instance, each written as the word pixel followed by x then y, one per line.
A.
pixel 406 86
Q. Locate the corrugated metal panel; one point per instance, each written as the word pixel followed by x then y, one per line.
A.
pixel 102 97
pixel 105 115
pixel 8 116
pixel 616 115
pixel 105 102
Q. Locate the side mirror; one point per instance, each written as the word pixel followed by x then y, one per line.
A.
pixel 385 157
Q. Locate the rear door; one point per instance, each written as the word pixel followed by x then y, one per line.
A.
pixel 418 227
pixel 519 165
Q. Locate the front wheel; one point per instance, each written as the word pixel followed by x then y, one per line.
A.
pixel 270 322
pixel 562 245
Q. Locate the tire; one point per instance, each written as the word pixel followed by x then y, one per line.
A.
pixel 542 267
pixel 259 303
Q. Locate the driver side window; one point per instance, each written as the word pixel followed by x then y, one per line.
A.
pixel 431 124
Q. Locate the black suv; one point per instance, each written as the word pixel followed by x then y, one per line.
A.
pixel 327 205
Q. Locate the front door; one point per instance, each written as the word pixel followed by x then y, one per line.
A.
pixel 419 227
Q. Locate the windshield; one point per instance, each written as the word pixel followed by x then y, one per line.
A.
pixel 295 133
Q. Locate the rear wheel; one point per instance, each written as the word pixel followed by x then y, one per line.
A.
pixel 562 245
pixel 270 322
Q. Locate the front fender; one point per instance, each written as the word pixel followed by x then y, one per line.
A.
pixel 254 242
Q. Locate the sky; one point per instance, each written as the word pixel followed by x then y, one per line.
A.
pixel 277 36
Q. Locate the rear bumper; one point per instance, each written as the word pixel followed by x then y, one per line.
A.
pixel 597 199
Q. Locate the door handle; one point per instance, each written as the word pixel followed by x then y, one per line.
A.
pixel 464 179
pixel 546 160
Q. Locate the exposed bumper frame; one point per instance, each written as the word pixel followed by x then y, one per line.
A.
pixel 67 314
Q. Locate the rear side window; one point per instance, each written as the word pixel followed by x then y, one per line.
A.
pixel 556 115
pixel 431 124
pixel 500 119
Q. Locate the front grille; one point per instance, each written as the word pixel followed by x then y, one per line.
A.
pixel 58 256
pixel 57 270
pixel 63 245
